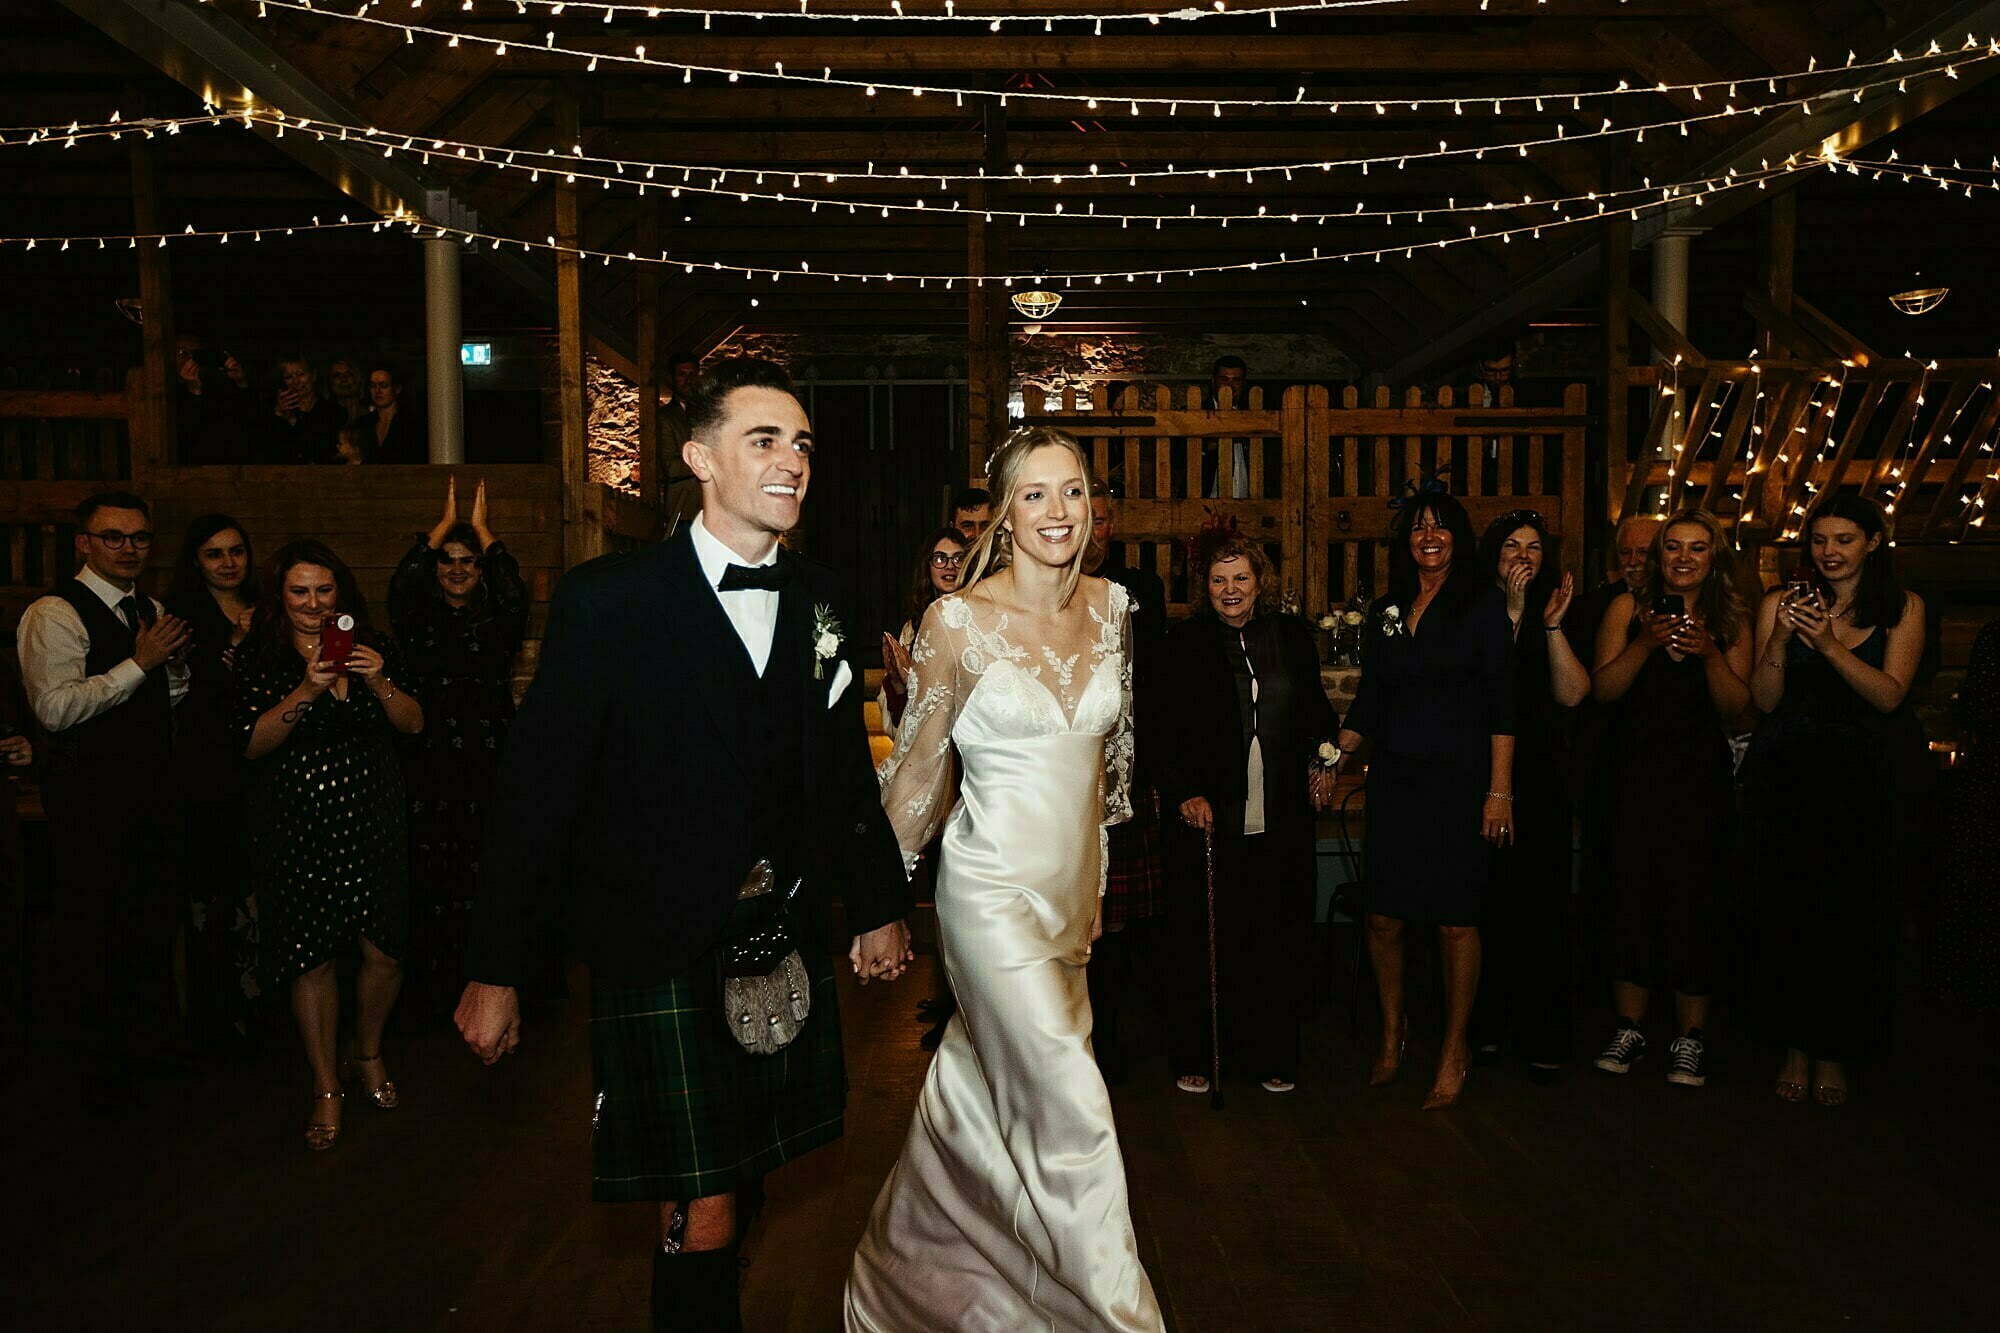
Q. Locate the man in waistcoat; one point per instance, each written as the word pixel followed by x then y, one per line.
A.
pixel 101 662
pixel 696 711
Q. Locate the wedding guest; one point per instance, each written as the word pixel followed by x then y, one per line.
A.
pixel 1965 945
pixel 16 754
pixel 211 423
pixel 971 512
pixel 102 664
pixel 1676 660
pixel 1524 922
pixel 329 852
pixel 308 424
pixel 215 592
pixel 678 493
pixel 460 611
pixel 1436 707
pixel 935 576
pixel 400 434
pixel 1227 376
pixel 348 390
pixel 353 443
pixel 1631 549
pixel 1241 718
pixel 1135 882
pixel 1836 651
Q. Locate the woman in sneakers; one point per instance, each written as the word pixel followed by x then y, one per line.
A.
pixel 1676 660
pixel 1837 648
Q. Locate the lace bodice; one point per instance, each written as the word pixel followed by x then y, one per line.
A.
pixel 978 679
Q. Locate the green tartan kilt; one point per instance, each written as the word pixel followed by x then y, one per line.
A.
pixel 683 1112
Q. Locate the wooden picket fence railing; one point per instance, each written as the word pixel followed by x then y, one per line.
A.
pixel 1318 477
pixel 1764 442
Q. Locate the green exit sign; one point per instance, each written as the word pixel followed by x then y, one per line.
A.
pixel 475 354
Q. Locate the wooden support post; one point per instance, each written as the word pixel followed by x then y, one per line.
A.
pixel 583 527
pixel 152 430
pixel 646 346
pixel 1777 248
pixel 1617 355
pixel 987 374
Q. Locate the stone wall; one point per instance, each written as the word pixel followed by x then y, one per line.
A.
pixel 611 433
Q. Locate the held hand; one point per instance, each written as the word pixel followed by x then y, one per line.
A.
pixel 1496 821
pixel 1320 783
pixel 489 1018
pixel 365 663
pixel 1559 600
pixel 17 751
pixel 158 642
pixel 896 665
pixel 1692 639
pixel 1196 812
pixel 881 954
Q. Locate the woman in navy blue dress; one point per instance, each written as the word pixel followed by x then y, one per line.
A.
pixel 1436 708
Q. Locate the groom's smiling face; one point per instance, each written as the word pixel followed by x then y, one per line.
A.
pixel 755 464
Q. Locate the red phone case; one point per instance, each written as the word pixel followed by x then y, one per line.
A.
pixel 336 641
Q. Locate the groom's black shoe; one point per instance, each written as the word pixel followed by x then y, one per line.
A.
pixel 696 1292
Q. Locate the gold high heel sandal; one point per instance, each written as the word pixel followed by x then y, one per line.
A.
pixel 321 1137
pixel 383 1094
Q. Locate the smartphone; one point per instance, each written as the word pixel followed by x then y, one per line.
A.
pixel 1670 604
pixel 336 641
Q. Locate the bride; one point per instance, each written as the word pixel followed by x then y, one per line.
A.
pixel 1007 1210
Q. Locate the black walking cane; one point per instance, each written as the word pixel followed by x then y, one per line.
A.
pixel 1214 1003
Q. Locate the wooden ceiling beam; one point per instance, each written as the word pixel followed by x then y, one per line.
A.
pixel 1661 57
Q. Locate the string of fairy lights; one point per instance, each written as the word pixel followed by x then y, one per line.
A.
pixel 573 168
pixel 896 11
pixel 1935 58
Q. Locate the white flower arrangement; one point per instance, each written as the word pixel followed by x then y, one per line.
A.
pixel 1351 616
pixel 1392 621
pixel 827 635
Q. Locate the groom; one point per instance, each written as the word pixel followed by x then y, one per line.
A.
pixel 697 709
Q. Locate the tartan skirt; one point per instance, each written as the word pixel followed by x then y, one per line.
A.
pixel 1133 880
pixel 683 1112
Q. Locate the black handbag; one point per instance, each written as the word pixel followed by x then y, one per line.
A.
pixel 766 992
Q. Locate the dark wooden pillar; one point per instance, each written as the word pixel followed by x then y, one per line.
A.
pixel 987 372
pixel 646 347
pixel 583 527
pixel 1617 356
pixel 1777 249
pixel 153 437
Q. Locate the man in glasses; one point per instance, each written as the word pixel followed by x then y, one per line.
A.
pixel 102 665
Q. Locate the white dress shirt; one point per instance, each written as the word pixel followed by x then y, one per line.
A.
pixel 753 611
pixel 54 646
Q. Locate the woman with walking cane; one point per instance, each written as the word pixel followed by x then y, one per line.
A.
pixel 1240 720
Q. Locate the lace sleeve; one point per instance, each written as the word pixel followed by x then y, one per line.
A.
pixel 1119 746
pixel 916 777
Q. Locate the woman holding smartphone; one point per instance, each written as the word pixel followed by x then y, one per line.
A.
pixel 318 706
pixel 1675 659
pixel 1836 651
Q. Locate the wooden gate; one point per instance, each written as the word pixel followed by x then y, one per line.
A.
pixel 1318 478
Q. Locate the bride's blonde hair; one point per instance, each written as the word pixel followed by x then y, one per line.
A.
pixel 994 550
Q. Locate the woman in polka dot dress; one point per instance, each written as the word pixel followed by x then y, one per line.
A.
pixel 329 855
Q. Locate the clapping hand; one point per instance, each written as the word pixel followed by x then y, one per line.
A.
pixel 1559 600
pixel 896 664
pixel 479 527
pixel 1517 581
pixel 450 519
pixel 158 642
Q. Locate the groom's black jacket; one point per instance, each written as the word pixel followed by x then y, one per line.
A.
pixel 629 789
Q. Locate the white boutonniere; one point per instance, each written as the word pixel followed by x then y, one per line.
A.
pixel 827 636
pixel 1392 621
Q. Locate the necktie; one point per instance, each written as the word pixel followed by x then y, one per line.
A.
pixel 129 609
pixel 743 578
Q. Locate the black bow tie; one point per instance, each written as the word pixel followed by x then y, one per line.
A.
pixel 744 578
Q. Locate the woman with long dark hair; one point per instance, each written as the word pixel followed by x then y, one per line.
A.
pixel 1241 717
pixel 214 589
pixel 1436 708
pixel 1676 662
pixel 460 609
pixel 935 576
pixel 1837 648
pixel 328 832
pixel 1524 927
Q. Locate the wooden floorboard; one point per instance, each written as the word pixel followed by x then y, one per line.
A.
pixel 1598 1203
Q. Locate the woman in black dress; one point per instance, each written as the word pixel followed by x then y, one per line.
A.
pixel 1836 651
pixel 460 610
pixel 1676 662
pixel 1436 707
pixel 215 591
pixel 1524 925
pixel 1241 717
pixel 329 841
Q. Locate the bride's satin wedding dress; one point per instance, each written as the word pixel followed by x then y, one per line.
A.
pixel 1007 1211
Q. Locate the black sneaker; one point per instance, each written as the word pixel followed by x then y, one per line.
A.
pixel 1627 1044
pixel 1687 1061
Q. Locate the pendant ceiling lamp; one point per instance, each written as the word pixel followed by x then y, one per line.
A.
pixel 1037 304
pixel 1919 300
